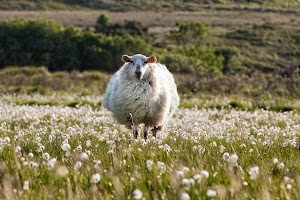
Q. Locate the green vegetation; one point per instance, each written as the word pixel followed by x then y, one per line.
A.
pixel 133 28
pixel 235 135
pixel 45 43
pixel 273 48
pixel 261 91
pixel 61 152
pixel 186 48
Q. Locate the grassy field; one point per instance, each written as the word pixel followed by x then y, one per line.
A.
pixel 261 91
pixel 64 152
pixel 57 142
pixel 234 136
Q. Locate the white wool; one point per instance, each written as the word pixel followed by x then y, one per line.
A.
pixel 151 100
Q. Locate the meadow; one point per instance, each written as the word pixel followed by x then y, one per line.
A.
pixel 234 136
pixel 79 152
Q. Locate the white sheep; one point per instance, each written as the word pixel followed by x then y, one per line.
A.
pixel 142 91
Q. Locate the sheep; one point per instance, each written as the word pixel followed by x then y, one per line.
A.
pixel 142 91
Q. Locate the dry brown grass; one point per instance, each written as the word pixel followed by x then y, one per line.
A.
pixel 161 22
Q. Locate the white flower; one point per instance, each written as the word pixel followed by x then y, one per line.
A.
pixel 288 186
pixel 161 166
pixel 185 169
pixel 286 179
pixel 137 194
pixel 222 148
pixel 46 156
pixel 88 143
pixel 18 149
pixel 149 164
pixel 253 172
pixel 191 181
pixel 84 156
pixel 33 164
pixel 179 174
pixel 97 163
pixel 79 148
pixel 95 178
pixel 6 140
pixel 51 163
pixel 41 148
pixel 167 148
pixel 185 196
pixel 204 173
pixel 233 159
pixel 275 161
pixel 198 178
pixel 26 185
pixel 30 155
pixel 280 165
pixel 62 171
pixel 68 154
pixel 65 147
pixel 77 165
pixel 211 193
pixel 110 152
pixel 185 182
pixel 226 156
pixel 245 183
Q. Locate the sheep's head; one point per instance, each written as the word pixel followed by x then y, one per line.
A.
pixel 138 64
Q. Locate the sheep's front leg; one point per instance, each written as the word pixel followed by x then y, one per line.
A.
pixel 134 127
pixel 145 132
pixel 135 131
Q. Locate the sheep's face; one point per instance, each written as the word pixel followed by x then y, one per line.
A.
pixel 138 64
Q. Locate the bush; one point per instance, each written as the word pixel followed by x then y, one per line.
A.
pixel 190 34
pixel 133 28
pixel 45 43
pixel 231 62
pixel 42 42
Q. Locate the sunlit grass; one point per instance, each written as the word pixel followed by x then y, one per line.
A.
pixel 79 152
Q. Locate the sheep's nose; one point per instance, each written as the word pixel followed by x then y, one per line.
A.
pixel 138 74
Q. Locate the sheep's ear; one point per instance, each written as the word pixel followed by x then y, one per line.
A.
pixel 152 59
pixel 126 58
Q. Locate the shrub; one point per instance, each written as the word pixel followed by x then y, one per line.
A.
pixel 42 42
pixel 133 28
pixel 190 34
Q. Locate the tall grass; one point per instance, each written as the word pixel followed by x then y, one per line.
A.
pixel 60 152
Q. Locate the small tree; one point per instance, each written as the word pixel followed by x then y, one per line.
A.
pixel 102 23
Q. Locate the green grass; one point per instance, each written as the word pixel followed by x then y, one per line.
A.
pixel 195 139
pixel 263 91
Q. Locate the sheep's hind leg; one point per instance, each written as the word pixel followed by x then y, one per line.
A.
pixel 155 129
pixel 145 132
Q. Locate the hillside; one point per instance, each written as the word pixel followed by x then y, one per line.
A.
pixel 142 5
pixel 266 40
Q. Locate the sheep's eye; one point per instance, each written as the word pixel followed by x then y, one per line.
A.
pixel 145 62
pixel 131 61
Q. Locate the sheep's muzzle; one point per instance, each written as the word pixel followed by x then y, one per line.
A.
pixel 138 74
